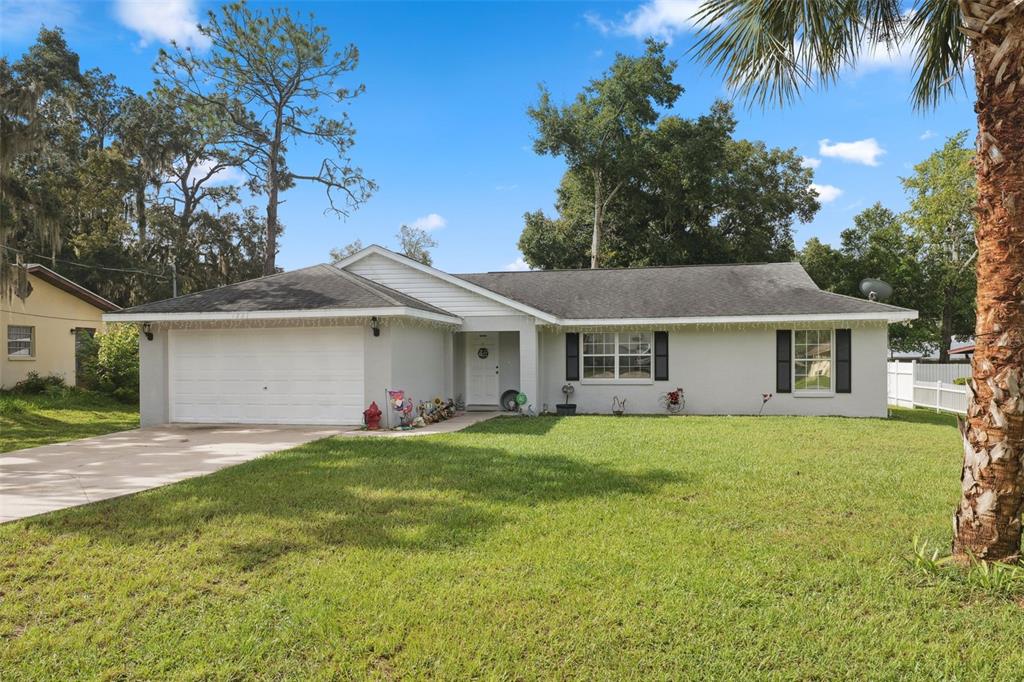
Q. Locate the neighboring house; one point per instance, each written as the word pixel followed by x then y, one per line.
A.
pixel 316 345
pixel 42 331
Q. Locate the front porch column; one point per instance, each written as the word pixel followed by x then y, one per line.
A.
pixel 528 366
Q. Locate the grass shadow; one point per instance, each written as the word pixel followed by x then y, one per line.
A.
pixel 424 494
pixel 922 416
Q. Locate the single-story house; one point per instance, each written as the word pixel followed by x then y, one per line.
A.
pixel 43 330
pixel 317 345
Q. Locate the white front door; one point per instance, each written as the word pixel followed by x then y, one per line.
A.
pixel 482 368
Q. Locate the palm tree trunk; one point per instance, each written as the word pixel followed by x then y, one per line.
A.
pixel 987 523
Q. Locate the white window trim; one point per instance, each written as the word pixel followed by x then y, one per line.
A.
pixel 616 381
pixel 830 392
pixel 31 343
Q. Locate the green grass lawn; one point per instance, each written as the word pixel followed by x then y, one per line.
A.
pixel 586 547
pixel 30 420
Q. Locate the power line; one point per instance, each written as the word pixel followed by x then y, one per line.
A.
pixel 49 317
pixel 88 267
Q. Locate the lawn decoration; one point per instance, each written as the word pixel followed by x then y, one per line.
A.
pixel 618 406
pixel 436 410
pixel 765 397
pixel 402 405
pixel 566 408
pixel 674 401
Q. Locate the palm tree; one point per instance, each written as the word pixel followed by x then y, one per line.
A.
pixel 769 50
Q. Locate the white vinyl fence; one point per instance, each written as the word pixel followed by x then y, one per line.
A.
pixel 928 385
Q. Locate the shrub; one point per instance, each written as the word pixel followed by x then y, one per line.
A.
pixel 110 363
pixel 33 383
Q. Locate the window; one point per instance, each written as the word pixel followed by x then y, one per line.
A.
pixel 617 356
pixel 812 360
pixel 20 341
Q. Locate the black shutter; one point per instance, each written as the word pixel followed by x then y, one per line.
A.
pixel 661 356
pixel 843 355
pixel 783 361
pixel 572 357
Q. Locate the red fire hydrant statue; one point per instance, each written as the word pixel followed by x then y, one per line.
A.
pixel 371 416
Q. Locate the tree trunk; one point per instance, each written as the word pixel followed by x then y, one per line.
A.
pixel 273 190
pixel 140 210
pixel 270 257
pixel 595 242
pixel 946 332
pixel 987 523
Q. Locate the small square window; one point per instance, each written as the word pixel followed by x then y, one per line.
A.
pixel 20 341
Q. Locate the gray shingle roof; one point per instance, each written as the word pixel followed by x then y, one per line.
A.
pixel 683 291
pixel 318 287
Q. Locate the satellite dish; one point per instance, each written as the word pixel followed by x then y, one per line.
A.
pixel 875 289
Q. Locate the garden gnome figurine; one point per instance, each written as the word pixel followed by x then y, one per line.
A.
pixel 371 416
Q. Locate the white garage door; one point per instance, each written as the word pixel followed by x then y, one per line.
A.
pixel 311 375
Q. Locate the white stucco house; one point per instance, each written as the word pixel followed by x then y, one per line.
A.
pixel 317 345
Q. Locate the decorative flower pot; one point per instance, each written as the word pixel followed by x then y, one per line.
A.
pixel 565 409
pixel 674 408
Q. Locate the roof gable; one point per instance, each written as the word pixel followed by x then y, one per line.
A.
pixel 66 285
pixel 440 288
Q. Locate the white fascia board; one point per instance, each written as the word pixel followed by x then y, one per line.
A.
pixel 399 311
pixel 373 249
pixel 894 316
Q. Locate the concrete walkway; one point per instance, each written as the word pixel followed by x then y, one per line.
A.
pixel 68 474
pixel 458 423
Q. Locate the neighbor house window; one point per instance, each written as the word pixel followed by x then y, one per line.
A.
pixel 812 360
pixel 617 356
pixel 20 341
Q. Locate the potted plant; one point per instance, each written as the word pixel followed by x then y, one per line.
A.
pixel 674 401
pixel 566 409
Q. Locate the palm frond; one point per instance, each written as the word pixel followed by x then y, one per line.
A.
pixel 940 50
pixel 770 50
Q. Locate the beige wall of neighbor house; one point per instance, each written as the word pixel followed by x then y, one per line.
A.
pixel 724 371
pixel 52 314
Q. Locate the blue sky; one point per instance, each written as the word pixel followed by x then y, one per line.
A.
pixel 442 126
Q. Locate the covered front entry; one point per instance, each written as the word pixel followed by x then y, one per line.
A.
pixel 287 375
pixel 483 368
pixel 487 364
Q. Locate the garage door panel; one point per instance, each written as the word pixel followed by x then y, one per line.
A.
pixel 282 376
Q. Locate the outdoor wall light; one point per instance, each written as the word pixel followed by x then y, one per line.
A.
pixel 375 326
pixel 147 329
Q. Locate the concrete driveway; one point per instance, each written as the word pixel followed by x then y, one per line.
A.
pixel 68 474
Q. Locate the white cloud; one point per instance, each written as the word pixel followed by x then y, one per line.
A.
pixel 603 26
pixel 505 188
pixel 878 56
pixel 864 151
pixel 225 176
pixel 927 135
pixel 827 193
pixel 810 162
pixel 162 21
pixel 518 265
pixel 659 18
pixel 23 18
pixel 431 221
